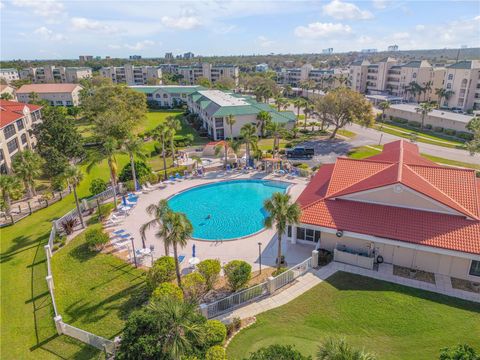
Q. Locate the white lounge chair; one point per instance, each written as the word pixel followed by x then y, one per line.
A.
pixel 146 189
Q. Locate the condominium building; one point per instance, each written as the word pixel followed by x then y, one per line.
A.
pixel 83 58
pixel 132 75
pixel 16 123
pixel 463 79
pixel 215 106
pixel 188 55
pixel 55 74
pixel 169 96
pixel 9 75
pixel 55 94
pixel 168 56
pixel 191 73
pixel 169 68
pixel 296 76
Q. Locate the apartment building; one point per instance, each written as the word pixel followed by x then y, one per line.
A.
pixel 83 58
pixel 169 96
pixel 261 67
pixel 132 75
pixel 55 74
pixel 55 94
pixel 191 73
pixel 9 75
pixel 463 78
pixel 16 122
pixel 214 106
pixel 296 76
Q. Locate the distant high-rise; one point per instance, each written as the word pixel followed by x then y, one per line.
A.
pixel 328 51
pixel 369 51
pixel 168 56
pixel 135 57
pixel 188 55
pixel 393 48
pixel 84 58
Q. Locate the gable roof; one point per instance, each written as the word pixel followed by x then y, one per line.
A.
pixel 11 111
pixel 323 203
pixel 47 88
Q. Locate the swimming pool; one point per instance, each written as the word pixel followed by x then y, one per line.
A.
pixel 226 210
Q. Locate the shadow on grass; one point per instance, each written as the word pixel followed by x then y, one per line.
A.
pixel 82 253
pixel 346 281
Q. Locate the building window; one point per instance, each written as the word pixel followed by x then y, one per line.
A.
pixel 3 168
pixel 9 131
pixel 12 146
pixel 475 268
pixel 220 134
pixel 59 102
pixel 449 86
pixel 414 75
pixel 165 96
pixel 289 231
pixel 1 155
pixel 24 139
pixel 20 125
pixel 450 76
pixel 308 234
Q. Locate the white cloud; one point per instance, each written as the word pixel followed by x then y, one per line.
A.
pixel 380 4
pixel 46 8
pixel 344 10
pixel 47 34
pixel 1 5
pixel 80 23
pixel 420 27
pixel 181 23
pixel 264 42
pixel 318 29
pixel 140 45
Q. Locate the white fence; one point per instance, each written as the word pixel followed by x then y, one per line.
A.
pixel 266 288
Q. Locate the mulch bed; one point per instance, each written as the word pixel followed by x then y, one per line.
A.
pixel 465 285
pixel 419 275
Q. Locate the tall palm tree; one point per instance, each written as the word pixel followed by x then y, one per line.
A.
pixel 281 213
pixel 10 187
pixel 424 109
pixel 174 125
pixel 73 176
pixel 161 133
pixel 160 213
pixel 276 129
pixel 263 119
pixel 299 103
pixel 443 93
pixel 180 229
pixel 133 146
pixel 107 150
pixel 280 102
pixel 248 132
pixel 333 349
pixel 180 320
pixel 230 122
pixel 287 90
pixel 27 166
pixel 384 105
pixel 307 110
pixel 427 89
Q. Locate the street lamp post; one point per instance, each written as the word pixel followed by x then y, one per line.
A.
pixel 134 255
pixel 260 256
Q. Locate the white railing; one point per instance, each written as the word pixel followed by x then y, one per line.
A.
pixel 266 288
pixel 88 338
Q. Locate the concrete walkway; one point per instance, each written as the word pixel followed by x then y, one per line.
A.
pixel 313 278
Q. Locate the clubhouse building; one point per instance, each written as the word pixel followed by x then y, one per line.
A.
pixel 395 208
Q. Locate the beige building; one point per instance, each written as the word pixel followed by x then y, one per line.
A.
pixel 55 94
pixel 463 78
pixel 16 122
pixel 7 89
pixel 55 74
pixel 132 75
pixel 9 75
pixel 191 73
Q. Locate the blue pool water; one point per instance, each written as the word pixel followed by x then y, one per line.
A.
pixel 228 209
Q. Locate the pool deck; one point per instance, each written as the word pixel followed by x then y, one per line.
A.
pixel 242 249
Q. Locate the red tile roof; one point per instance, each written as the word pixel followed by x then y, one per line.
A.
pixel 47 88
pixel 12 110
pixel 399 163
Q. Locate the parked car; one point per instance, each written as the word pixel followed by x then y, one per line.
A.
pixel 300 153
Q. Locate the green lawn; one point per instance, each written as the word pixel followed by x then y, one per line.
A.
pixel 393 321
pixel 267 144
pixel 347 133
pixel 104 291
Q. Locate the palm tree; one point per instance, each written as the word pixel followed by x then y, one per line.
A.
pixel 340 350
pixel 6 96
pixel 174 125
pixel 276 129
pixel 443 93
pixel 133 146
pixel 427 88
pixel 263 119
pixel 73 176
pixel 180 229
pixel 384 105
pixel 281 212
pixel 307 110
pixel 160 213
pixel 248 132
pixel 299 103
pixel 424 109
pixel 287 90
pixel 161 133
pixel 27 166
pixel 230 122
pixel 107 150
pixel 183 330
pixel 10 186
pixel 280 102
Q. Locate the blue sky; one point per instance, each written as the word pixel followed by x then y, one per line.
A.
pixel 51 29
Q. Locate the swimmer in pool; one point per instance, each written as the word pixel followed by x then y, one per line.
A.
pixel 209 216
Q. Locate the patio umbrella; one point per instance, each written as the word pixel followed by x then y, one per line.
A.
pixel 194 261
pixel 124 200
pixel 193 250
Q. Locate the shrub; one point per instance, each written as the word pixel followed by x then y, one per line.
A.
pixel 60 240
pixel 464 135
pixel 414 124
pixel 194 285
pixel 279 271
pixel 216 332
pixel 163 270
pixel 167 290
pixel 97 186
pixel 428 126
pixel 238 274
pixel 438 129
pixel 183 140
pixel 141 170
pixel 216 353
pixel 210 270
pixel 449 132
pixel 288 145
pixel 324 257
pixel 278 352
pixel 105 210
pixel 174 170
pixel 96 239
pixel 460 352
pixel 69 225
pixel 130 185
pixel 151 178
pixel 303 166
pixel 233 326
pixel 399 121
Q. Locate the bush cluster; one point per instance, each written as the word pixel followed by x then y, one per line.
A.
pixel 96 239
pixel 210 270
pixel 163 270
pixel 141 170
pixel 238 274
pixel 167 290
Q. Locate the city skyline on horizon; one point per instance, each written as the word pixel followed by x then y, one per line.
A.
pixel 54 29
